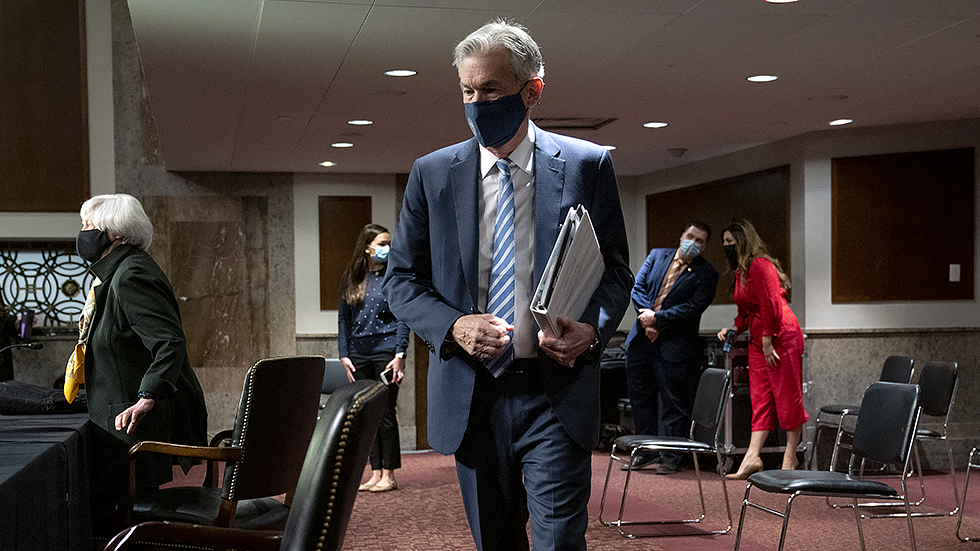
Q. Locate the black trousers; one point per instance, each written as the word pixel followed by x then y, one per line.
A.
pixel 386 452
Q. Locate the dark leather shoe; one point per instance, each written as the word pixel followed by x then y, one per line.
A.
pixel 643 461
pixel 668 468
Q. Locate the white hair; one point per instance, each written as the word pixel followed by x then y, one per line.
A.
pixel 501 35
pixel 119 213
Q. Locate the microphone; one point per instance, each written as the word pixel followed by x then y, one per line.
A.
pixel 32 345
pixel 729 339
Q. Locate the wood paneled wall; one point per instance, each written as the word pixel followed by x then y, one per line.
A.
pixel 341 220
pixel 44 164
pixel 899 222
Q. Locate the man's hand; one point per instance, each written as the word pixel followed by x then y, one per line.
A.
pixel 482 335
pixel 647 318
pixel 648 321
pixel 576 337
pixel 129 418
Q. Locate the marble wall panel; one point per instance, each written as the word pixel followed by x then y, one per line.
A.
pixel 839 366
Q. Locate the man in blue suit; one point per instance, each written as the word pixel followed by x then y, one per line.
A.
pixel 672 289
pixel 522 440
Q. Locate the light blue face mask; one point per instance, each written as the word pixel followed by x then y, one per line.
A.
pixel 381 253
pixel 689 248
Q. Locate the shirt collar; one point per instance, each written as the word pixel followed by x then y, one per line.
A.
pixel 522 157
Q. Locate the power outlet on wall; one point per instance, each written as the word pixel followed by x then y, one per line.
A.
pixel 954 272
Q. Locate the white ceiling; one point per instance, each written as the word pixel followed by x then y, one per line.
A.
pixel 268 85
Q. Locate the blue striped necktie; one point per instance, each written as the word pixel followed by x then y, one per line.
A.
pixel 501 302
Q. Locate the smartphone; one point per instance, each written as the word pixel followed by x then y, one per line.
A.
pixel 386 376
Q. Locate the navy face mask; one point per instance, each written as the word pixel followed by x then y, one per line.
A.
pixel 495 122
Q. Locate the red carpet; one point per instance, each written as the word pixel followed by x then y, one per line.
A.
pixel 426 513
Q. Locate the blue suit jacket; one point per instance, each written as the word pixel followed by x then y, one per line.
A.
pixel 433 268
pixel 680 314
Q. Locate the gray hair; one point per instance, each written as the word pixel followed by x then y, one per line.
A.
pixel 122 214
pixel 499 34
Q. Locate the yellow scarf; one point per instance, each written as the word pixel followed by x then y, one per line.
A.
pixel 75 372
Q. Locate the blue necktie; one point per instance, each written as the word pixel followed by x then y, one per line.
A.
pixel 501 302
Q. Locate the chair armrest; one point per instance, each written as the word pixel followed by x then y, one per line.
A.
pixel 221 437
pixel 181 533
pixel 200 452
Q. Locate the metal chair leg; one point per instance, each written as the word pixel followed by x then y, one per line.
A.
pixel 970 465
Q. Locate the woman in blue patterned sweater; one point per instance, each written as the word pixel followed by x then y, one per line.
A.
pixel 372 342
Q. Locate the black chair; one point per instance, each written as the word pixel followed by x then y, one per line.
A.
pixel 263 455
pixel 334 377
pixel 713 394
pixel 938 383
pixel 970 465
pixel 325 492
pixel 896 369
pixel 885 432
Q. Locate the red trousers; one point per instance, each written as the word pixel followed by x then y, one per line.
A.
pixel 777 393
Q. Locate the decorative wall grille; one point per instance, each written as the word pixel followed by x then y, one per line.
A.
pixel 51 281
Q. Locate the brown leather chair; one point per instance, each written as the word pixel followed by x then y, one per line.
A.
pixel 263 455
pixel 325 492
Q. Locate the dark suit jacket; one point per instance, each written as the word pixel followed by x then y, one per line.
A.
pixel 136 342
pixel 680 314
pixel 433 269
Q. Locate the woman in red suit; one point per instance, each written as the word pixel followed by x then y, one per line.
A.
pixel 775 347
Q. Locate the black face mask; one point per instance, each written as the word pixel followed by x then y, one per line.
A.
pixel 731 253
pixel 90 244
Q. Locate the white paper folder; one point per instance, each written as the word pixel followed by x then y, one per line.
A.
pixel 572 274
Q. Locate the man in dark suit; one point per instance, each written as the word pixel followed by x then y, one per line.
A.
pixel 522 440
pixel 672 289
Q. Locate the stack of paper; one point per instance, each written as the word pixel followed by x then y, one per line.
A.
pixel 572 274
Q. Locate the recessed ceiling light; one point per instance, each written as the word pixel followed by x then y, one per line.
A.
pixel 762 78
pixel 654 125
pixel 840 122
pixel 342 144
pixel 780 1
pixel 609 147
pixel 401 73
pixel 360 122
pixel 328 163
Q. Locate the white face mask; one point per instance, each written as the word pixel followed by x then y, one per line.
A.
pixel 689 248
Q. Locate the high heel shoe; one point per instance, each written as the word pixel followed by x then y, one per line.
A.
pixel 746 471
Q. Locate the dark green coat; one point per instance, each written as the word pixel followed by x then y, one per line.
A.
pixel 137 342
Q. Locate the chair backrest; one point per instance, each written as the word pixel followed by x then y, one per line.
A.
pixel 897 369
pixel 275 420
pixel 332 471
pixel 709 404
pixel 938 384
pixel 334 376
pixel 887 422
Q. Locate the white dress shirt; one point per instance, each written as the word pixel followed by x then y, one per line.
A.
pixel 522 176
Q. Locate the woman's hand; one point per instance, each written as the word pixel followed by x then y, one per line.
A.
pixel 349 366
pixel 135 413
pixel 772 358
pixel 724 332
pixel 397 367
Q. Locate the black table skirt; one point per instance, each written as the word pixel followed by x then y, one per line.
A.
pixel 44 496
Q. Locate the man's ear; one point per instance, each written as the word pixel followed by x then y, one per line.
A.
pixel 532 92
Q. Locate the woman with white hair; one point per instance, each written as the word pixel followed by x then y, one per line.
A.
pixel 138 379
